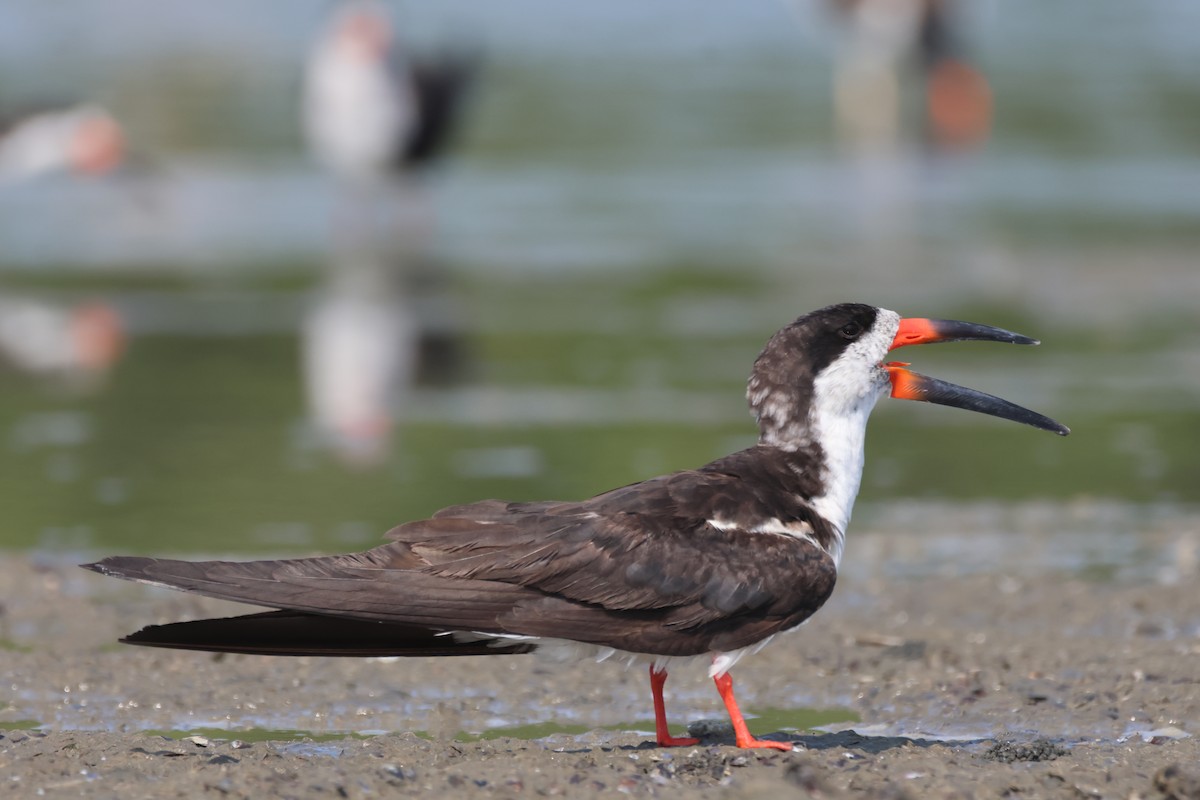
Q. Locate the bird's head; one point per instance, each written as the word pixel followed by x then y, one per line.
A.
pixel 830 365
pixel 96 142
pixel 363 32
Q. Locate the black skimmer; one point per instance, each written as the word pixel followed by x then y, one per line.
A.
pixel 82 139
pixel 707 564
pixel 958 99
pixel 882 35
pixel 368 115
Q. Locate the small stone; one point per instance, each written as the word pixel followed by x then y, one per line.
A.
pixel 1007 752
pixel 709 728
pixel 408 774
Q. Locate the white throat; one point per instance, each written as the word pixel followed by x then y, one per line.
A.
pixel 842 437
pixel 843 396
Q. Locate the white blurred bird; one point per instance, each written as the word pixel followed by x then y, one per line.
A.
pixel 82 139
pixel 78 344
pixel 370 113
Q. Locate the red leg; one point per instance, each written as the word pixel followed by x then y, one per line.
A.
pixel 740 731
pixel 658 678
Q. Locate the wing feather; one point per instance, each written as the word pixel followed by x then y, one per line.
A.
pixel 640 568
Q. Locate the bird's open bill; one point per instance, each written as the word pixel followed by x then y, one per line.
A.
pixel 909 385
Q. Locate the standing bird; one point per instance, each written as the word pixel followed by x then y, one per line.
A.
pixel 83 139
pixel 881 37
pixel 370 116
pixel 706 564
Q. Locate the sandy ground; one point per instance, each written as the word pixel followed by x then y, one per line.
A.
pixel 996 684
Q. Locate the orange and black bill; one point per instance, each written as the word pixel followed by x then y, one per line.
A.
pixel 931 331
pixel 908 385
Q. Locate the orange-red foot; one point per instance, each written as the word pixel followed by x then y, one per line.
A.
pixel 676 741
pixel 658 679
pixel 741 733
pixel 750 741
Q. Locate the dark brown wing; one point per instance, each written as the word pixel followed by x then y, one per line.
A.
pixel 639 568
pixel 442 84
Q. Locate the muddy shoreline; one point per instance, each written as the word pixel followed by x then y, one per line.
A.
pixel 1000 683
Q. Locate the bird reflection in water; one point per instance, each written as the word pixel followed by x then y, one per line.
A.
pixel 358 353
pixel 75 345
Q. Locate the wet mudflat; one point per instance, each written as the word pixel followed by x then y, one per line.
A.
pixel 1008 682
pixel 834 765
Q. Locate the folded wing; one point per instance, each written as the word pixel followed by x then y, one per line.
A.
pixel 648 580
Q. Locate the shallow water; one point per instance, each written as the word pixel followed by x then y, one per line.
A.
pixel 761 721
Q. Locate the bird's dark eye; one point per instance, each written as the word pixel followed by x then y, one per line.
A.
pixel 851 330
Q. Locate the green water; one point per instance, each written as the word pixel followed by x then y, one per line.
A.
pixel 192 445
pixel 19 724
pixel 16 724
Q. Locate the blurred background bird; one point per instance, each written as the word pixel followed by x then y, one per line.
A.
pixel 77 344
pixel 82 139
pixel 884 40
pixel 371 110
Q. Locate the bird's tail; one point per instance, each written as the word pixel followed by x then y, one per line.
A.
pixel 294 633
